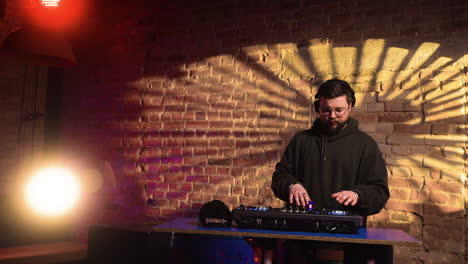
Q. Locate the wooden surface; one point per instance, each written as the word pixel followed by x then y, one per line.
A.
pixel 44 253
pixel 376 236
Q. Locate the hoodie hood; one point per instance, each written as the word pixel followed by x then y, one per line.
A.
pixel 322 137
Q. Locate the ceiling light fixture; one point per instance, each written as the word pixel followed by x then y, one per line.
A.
pixel 34 45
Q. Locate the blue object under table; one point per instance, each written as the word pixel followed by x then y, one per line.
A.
pixel 374 243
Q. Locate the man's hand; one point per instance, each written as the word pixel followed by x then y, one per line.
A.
pixel 298 195
pixel 346 198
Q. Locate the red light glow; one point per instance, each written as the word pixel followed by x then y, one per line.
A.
pixel 60 15
pixel 50 3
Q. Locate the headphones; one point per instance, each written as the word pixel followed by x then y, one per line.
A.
pixel 334 84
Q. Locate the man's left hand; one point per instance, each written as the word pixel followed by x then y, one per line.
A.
pixel 346 198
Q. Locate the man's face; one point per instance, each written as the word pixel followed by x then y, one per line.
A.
pixel 333 113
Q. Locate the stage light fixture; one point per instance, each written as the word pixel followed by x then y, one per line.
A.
pixel 53 191
pixel 50 3
pixel 35 45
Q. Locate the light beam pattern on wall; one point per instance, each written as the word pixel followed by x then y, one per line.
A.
pixel 217 132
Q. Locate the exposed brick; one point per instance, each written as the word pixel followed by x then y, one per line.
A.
pixel 251 191
pixel 227 143
pixel 399 171
pixel 418 196
pixel 432 237
pixel 221 180
pixel 223 171
pixel 453 175
pixel 220 124
pixel 176 195
pixel 384 127
pixel 196 142
pixel 405 139
pixel 420 172
pixel 185 187
pixel 433 220
pixel 230 200
pixel 438 197
pixel 237 172
pixel 366 98
pixel 394 106
pixel 197 124
pixel 442 162
pixel 197 178
pixel 399 160
pixel 398 94
pixel 456 199
pixel 442 140
pixel 399 216
pixel 237 190
pixel 407 117
pixel 224 189
pixel 271 123
pixel 444 210
pixel 404 206
pixel 200 116
pixel 401 149
pixel 385 76
pixel 406 183
pixel 243 143
pixel 446 186
pixel 383 215
pixel 368 127
pixel 413 129
pixel 195 160
pixel 400 194
pixel 453 223
pixel 244 162
pixel 366 117
pixel 250 200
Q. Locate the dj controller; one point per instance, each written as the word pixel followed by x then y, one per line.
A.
pixel 297 218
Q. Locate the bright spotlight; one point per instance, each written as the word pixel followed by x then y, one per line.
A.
pixel 53 191
pixel 50 3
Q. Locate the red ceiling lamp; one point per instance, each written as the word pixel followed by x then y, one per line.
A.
pixel 50 3
pixel 34 45
pixel 41 39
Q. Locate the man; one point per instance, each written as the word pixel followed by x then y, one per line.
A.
pixel 333 164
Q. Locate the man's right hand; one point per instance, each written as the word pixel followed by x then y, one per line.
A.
pixel 298 195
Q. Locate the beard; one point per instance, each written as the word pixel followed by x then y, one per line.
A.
pixel 332 126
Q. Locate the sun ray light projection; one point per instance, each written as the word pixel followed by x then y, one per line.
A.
pixel 228 121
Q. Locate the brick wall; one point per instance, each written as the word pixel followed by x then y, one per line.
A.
pixel 190 103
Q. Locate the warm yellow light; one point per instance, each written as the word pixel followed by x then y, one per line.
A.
pixel 50 3
pixel 53 191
